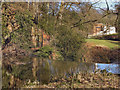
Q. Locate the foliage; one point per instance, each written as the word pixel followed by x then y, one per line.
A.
pixel 69 42
pixel 64 26
pixel 47 23
pixel 22 36
pixel 118 21
pixel 5 18
pixel 107 37
pixel 45 52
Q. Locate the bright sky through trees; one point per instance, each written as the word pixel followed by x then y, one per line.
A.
pixel 102 3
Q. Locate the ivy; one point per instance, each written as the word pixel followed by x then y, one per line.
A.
pixel 45 52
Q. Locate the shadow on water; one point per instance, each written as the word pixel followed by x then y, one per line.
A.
pixel 43 70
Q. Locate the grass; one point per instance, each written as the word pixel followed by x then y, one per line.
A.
pixel 107 43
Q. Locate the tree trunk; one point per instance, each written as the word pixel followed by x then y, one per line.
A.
pixel 118 23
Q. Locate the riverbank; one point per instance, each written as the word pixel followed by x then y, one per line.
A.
pixel 82 80
pixel 26 72
pixel 101 51
pixel 91 53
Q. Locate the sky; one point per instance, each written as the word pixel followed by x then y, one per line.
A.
pixel 111 4
pixel 102 3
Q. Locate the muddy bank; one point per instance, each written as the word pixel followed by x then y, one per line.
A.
pixel 81 80
pixel 100 54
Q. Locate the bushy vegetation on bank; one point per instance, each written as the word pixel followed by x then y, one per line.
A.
pixel 107 37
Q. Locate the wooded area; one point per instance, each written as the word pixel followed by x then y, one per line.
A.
pixel 47 45
pixel 67 24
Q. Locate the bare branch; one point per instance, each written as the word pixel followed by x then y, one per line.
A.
pixel 76 25
pixel 85 14
pixel 70 6
pixel 107 6
pixel 93 4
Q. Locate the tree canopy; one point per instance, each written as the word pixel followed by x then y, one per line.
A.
pixel 68 24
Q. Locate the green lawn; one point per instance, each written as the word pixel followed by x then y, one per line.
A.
pixel 108 43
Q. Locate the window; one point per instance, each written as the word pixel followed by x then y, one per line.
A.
pixel 98 27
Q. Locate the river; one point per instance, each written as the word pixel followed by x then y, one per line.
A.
pixel 43 70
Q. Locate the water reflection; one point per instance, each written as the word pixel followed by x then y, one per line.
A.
pixel 42 70
pixel 43 73
pixel 35 67
pixel 113 68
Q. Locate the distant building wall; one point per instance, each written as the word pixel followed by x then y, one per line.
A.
pixel 112 30
pixel 101 29
pixel 97 28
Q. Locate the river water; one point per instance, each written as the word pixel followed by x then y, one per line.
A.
pixel 43 70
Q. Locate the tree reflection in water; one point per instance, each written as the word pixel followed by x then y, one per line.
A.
pixel 42 70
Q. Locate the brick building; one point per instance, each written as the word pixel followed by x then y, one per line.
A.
pixel 97 28
pixel 102 29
